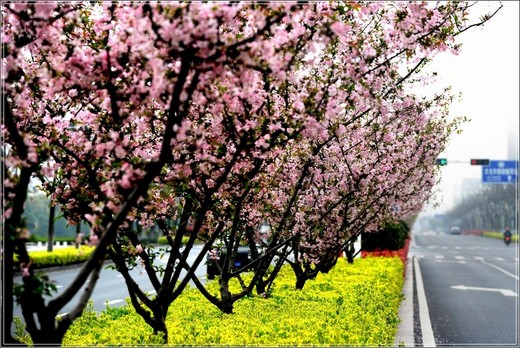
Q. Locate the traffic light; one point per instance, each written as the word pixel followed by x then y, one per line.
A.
pixel 441 161
pixel 479 162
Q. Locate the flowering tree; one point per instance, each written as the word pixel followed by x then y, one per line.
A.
pixel 370 156
pixel 123 116
pixel 215 116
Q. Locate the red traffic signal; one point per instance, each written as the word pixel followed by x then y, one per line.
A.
pixel 479 162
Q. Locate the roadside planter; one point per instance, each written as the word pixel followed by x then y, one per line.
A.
pixel 353 305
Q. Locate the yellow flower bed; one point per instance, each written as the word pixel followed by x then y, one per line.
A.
pixel 59 257
pixel 353 305
pixel 500 235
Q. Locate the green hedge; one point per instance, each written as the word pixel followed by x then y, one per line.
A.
pixel 353 305
pixel 392 236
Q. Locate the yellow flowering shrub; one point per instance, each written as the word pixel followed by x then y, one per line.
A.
pixel 59 257
pixel 353 305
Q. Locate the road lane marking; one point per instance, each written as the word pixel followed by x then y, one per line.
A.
pixel 500 259
pixel 505 292
pixel 450 261
pixel 424 316
pixel 113 302
pixel 439 256
pixel 481 259
pixel 459 257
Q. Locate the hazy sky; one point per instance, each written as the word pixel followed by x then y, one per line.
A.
pixel 487 73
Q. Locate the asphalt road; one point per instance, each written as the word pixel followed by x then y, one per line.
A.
pixel 468 288
pixel 110 288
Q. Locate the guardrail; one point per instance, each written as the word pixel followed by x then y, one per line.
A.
pixel 43 245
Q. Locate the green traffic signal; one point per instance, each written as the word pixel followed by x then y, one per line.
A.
pixel 441 161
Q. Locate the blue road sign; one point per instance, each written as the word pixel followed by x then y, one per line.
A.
pixel 500 172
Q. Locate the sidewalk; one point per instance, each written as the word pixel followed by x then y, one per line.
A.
pixel 405 332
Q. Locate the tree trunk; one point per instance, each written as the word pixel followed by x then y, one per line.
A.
pixel 50 243
pixel 226 305
pixel 6 273
pixel 77 241
pixel 350 253
pixel 159 326
pixel 260 287
pixel 300 282
pixel 33 303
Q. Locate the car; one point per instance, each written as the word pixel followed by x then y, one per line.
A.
pixel 242 258
pixel 455 230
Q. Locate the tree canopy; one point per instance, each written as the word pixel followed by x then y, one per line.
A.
pixel 219 116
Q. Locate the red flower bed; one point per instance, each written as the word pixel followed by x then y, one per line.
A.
pixel 401 253
pixel 473 232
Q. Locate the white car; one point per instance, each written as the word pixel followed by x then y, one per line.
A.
pixel 455 230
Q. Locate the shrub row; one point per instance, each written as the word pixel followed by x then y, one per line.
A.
pixel 162 240
pixel 353 305
pixel 59 257
pixel 499 235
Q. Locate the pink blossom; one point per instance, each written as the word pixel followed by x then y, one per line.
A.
pixel 25 271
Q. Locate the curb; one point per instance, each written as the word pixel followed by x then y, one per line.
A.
pixel 405 331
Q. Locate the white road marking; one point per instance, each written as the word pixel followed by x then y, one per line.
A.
pixel 500 259
pixel 450 261
pixel 505 292
pixel 459 257
pixel 114 302
pixel 481 259
pixel 424 316
pixel 439 256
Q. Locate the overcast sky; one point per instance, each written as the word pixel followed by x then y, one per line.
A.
pixel 487 73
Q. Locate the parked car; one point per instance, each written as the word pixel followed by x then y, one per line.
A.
pixel 242 258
